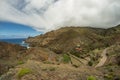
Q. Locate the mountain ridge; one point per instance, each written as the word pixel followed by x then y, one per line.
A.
pixel 75 34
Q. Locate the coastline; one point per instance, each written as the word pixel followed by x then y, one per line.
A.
pixel 18 41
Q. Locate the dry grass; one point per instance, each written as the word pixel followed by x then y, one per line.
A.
pixel 52 71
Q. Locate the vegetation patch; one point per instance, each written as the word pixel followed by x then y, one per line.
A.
pixel 66 58
pixel 23 72
pixel 20 62
pixel 90 63
pixel 91 78
pixel 108 77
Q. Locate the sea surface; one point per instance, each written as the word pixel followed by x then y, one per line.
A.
pixel 20 41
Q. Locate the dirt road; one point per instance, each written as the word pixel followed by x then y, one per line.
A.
pixel 103 59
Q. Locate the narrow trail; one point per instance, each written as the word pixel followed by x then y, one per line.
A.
pixel 103 59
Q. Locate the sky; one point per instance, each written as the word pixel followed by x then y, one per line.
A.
pixel 46 15
pixel 13 30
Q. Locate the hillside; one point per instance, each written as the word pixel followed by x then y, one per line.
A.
pixel 10 54
pixel 37 66
pixel 47 71
pixel 67 39
pixel 113 35
pixel 69 53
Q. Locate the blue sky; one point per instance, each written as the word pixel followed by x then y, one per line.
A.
pixel 13 30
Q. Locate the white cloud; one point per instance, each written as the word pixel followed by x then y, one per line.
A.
pixel 51 14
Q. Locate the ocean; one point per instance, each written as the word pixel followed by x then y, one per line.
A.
pixel 20 41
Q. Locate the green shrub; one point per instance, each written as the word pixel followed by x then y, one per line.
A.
pixel 75 53
pixel 91 78
pixel 66 58
pixel 20 62
pixel 23 72
pixel 90 63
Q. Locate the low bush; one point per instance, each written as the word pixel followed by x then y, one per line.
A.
pixel 90 63
pixel 91 78
pixel 20 62
pixel 66 58
pixel 23 72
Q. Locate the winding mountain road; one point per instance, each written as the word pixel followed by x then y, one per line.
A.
pixel 103 59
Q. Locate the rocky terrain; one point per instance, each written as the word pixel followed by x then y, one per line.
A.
pixel 10 54
pixel 69 53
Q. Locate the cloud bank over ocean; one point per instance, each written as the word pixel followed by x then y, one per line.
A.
pixel 45 15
